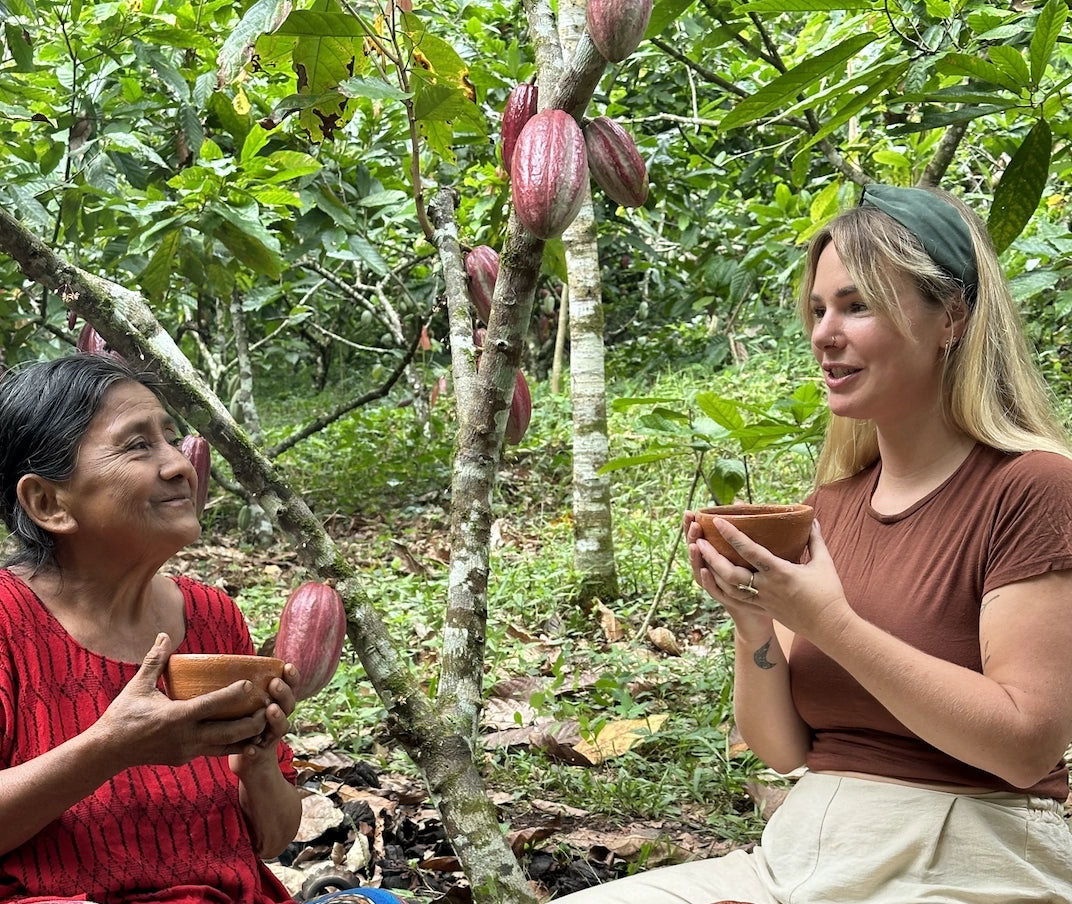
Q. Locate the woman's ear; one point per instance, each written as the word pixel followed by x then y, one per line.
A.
pixel 42 501
pixel 956 321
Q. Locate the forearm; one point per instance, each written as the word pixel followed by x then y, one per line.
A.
pixel 960 711
pixel 39 791
pixel 272 809
pixel 763 704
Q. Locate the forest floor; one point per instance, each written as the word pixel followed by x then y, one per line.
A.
pixel 370 824
pixel 365 824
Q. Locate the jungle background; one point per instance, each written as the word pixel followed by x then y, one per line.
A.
pixel 255 182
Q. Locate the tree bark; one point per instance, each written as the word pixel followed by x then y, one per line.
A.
pixel 593 531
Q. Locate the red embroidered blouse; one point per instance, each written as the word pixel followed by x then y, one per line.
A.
pixel 151 833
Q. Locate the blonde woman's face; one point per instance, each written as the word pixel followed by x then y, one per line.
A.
pixel 872 369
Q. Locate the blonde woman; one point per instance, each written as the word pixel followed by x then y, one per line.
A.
pixel 917 662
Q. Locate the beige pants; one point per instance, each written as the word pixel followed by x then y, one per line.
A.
pixel 838 840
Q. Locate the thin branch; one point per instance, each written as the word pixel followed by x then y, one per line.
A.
pixel 342 410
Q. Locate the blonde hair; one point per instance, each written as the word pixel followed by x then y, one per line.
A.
pixel 993 390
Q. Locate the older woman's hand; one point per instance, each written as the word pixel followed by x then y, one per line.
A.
pixel 261 750
pixel 144 727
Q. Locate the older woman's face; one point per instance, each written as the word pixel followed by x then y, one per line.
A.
pixel 132 490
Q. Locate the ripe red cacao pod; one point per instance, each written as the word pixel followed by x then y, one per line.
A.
pixel 520 108
pixel 615 163
pixel 550 173
pixel 90 342
pixel 482 268
pixel 617 27
pixel 517 422
pixel 312 630
pixel 196 449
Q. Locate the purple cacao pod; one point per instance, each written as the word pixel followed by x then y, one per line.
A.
pixel 196 449
pixel 550 173
pixel 482 268
pixel 312 630
pixel 517 422
pixel 617 27
pixel 520 108
pixel 615 163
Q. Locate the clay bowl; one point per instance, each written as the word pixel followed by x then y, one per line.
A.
pixel 189 675
pixel 783 529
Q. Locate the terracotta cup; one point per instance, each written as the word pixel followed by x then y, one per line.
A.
pixel 783 529
pixel 189 675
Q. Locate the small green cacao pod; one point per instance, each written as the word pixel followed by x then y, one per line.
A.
pixel 615 163
pixel 482 268
pixel 517 422
pixel 196 449
pixel 520 108
pixel 617 27
pixel 312 630
pixel 550 173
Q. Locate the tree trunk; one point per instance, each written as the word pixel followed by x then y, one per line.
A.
pixel 260 527
pixel 593 542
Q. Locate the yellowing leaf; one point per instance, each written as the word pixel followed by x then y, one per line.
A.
pixel 615 738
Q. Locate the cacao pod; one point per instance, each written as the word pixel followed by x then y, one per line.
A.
pixel 482 268
pixel 196 449
pixel 517 422
pixel 312 629
pixel 550 173
pixel 617 27
pixel 615 163
pixel 520 108
pixel 90 342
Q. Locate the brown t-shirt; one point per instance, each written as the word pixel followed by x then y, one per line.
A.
pixel 921 576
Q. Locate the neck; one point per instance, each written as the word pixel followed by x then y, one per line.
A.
pixel 917 459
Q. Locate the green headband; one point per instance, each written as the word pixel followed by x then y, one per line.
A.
pixel 937 224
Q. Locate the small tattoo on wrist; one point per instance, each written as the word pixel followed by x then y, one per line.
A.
pixel 759 657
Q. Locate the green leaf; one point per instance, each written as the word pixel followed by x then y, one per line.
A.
pixel 724 412
pixel 1017 195
pixel 247 238
pixel 784 89
pixel 1011 61
pixel 1050 24
pixel 311 23
pixel 803 6
pixel 965 64
pixel 631 461
pixel 19 45
pixel 725 480
pixel 880 82
pixel 372 88
pixel 261 18
pixel 156 277
pixel 663 13
pixel 625 404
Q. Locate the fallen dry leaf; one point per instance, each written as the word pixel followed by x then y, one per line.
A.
pixel 663 639
pixel 609 623
pixel 615 738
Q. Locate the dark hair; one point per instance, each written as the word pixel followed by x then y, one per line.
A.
pixel 45 411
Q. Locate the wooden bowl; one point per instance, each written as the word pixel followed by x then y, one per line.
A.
pixel 783 529
pixel 189 675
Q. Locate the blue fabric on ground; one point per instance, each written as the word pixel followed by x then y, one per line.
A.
pixel 374 895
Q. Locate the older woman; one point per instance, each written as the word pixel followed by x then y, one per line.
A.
pixel 916 663
pixel 109 790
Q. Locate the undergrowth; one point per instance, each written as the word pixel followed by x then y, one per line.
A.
pixel 381 481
